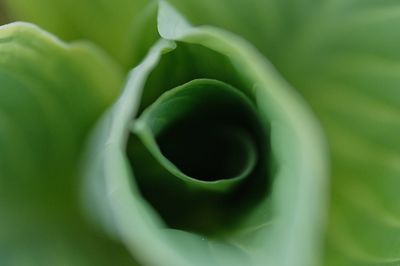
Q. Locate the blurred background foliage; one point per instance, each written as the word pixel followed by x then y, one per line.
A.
pixel 123 28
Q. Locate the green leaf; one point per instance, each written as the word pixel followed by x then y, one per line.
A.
pixel 343 57
pixel 50 95
pixel 283 227
pixel 354 90
pixel 124 28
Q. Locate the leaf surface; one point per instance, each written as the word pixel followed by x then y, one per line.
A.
pixel 50 95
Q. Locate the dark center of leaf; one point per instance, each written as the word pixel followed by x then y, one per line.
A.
pixel 199 149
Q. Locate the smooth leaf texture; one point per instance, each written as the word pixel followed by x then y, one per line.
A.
pixel 343 56
pixel 124 28
pixel 285 226
pixel 50 95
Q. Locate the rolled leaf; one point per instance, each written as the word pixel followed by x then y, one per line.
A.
pixel 192 148
pixel 283 224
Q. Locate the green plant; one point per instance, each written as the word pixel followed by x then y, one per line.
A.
pixel 278 150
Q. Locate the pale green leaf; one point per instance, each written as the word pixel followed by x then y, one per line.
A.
pixel 51 93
